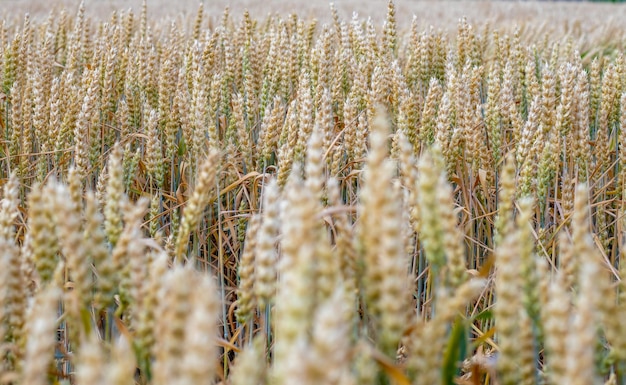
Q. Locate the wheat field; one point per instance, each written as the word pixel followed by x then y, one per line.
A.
pixel 206 195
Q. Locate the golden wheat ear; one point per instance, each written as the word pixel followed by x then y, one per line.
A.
pixel 41 324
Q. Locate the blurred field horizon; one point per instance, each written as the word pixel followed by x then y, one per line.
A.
pixel 440 14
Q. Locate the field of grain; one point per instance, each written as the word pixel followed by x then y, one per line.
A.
pixel 202 195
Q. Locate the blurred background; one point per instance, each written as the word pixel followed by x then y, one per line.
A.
pixel 438 13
